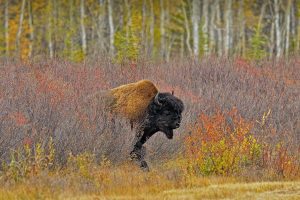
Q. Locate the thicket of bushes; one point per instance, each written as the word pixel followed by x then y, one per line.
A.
pixel 240 116
pixel 225 144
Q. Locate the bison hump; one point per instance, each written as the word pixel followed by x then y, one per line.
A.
pixel 131 100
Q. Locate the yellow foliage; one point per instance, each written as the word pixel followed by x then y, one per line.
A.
pixel 29 161
pixel 216 147
pixel 82 163
pixel 131 100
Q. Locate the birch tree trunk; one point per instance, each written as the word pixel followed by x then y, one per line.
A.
pixel 219 30
pixel 18 38
pixel 169 38
pixel 277 29
pixel 261 16
pixel 144 19
pixel 187 29
pixel 128 24
pixel 228 33
pixel 242 37
pixel 6 27
pixel 298 39
pixel 70 33
pixel 212 39
pixel 195 21
pixel 151 48
pixel 169 49
pixel 162 30
pixel 288 23
pixel 83 33
pixel 101 27
pixel 182 46
pixel 295 25
pixel 272 41
pixel 111 28
pixel 30 19
pixel 50 31
pixel 293 19
pixel 205 26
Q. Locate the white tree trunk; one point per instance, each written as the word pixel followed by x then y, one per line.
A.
pixel 187 29
pixel 71 4
pixel 83 33
pixel 242 37
pixel 50 42
pixel 101 27
pixel 272 41
pixel 298 39
pixel 288 22
pixel 293 19
pixel 182 46
pixel 212 37
pixel 144 20
pixel 111 28
pixel 18 38
pixel 228 34
pixel 151 48
pixel 195 21
pixel 219 29
pixel 277 29
pixel 162 30
pixel 30 19
pixel 205 26
pixel 128 24
pixel 6 27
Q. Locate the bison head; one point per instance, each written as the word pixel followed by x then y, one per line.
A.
pixel 164 113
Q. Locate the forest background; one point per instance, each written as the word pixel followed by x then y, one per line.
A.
pixel 160 29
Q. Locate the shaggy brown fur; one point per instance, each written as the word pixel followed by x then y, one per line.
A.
pixel 131 100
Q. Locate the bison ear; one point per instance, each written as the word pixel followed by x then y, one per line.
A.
pixel 156 100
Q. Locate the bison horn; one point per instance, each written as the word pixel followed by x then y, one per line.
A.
pixel 156 99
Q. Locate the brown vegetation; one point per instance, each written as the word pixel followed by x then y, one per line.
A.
pixel 241 116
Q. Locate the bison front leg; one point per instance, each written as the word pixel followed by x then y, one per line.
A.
pixel 138 154
pixel 139 151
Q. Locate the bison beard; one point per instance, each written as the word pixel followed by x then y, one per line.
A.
pixel 149 110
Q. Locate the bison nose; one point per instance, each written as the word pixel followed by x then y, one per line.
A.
pixel 177 124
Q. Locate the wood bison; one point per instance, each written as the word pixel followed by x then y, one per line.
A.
pixel 149 110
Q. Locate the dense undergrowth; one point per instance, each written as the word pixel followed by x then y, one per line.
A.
pixel 241 120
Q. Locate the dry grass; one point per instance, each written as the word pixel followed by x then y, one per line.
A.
pixel 256 190
pixel 127 182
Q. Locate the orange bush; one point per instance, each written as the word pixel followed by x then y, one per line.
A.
pixel 281 160
pixel 224 144
pixel 221 144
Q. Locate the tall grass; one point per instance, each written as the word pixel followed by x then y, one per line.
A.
pixel 49 100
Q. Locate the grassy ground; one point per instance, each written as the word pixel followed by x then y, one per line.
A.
pixel 128 182
pixel 254 190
